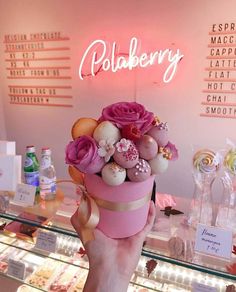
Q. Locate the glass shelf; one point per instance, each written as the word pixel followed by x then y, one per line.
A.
pixel 26 251
pixel 50 227
pixel 31 287
pixel 59 255
pixel 59 212
pixel 188 265
pixel 160 279
pixel 58 220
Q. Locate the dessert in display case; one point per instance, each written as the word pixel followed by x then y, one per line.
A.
pixel 165 264
pixel 113 162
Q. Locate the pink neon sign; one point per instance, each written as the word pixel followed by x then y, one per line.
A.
pixel 99 52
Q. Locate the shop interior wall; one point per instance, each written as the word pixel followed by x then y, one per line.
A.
pixel 157 24
pixel 2 119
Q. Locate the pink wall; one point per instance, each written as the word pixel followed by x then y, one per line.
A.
pixel 158 24
pixel 2 120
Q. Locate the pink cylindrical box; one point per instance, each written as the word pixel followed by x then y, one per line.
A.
pixel 120 224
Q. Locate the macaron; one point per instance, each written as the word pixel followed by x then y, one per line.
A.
pixel 106 131
pixel 83 126
pixel 147 147
pixel 113 174
pixel 140 172
pixel 75 174
pixel 126 153
pixel 159 164
pixel 160 134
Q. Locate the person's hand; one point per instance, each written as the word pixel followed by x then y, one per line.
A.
pixel 113 261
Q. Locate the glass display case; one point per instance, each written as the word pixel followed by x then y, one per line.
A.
pixel 65 268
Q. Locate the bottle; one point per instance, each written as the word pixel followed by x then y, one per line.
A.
pixel 201 208
pixel 31 168
pixel 227 208
pixel 47 176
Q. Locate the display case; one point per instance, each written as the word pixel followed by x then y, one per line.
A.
pixel 62 265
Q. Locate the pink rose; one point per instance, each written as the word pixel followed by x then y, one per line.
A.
pixel 125 113
pixel 83 154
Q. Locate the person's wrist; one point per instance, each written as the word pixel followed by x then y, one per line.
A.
pixel 104 278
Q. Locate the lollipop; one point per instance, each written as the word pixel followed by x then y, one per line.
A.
pixel 230 161
pixel 206 161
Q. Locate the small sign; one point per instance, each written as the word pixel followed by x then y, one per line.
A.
pixel 16 269
pixel 198 287
pixel 46 241
pixel 25 194
pixel 214 241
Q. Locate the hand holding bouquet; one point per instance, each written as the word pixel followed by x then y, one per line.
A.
pixel 119 155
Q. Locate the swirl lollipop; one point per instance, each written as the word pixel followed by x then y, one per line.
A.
pixel 206 161
pixel 230 161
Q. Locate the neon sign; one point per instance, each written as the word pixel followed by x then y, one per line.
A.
pixel 99 52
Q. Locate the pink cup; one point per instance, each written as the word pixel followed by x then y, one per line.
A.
pixel 120 224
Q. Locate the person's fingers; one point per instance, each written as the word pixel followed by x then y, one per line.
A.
pixel 75 222
pixel 142 234
pixel 150 219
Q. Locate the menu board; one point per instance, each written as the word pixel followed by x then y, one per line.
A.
pixel 220 73
pixel 38 69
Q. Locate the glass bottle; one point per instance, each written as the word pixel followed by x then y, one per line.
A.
pixel 31 168
pixel 47 176
pixel 201 209
pixel 227 208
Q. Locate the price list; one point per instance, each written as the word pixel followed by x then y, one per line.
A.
pixel 38 69
pixel 220 73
